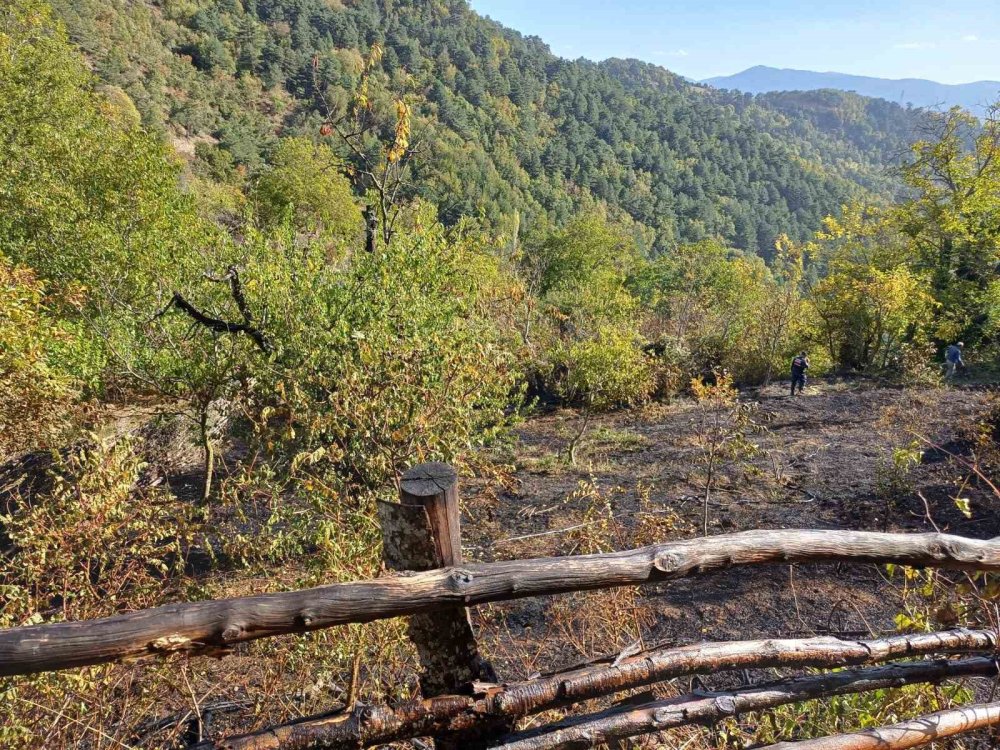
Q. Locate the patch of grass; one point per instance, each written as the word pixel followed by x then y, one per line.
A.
pixel 548 464
pixel 842 714
pixel 619 440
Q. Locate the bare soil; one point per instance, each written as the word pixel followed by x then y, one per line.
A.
pixel 826 463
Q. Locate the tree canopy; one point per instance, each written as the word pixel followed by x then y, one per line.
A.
pixel 509 129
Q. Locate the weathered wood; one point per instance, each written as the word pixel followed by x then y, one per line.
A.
pixel 445 642
pixel 435 487
pixel 914 733
pixel 422 532
pixel 200 627
pixel 374 725
pixel 586 732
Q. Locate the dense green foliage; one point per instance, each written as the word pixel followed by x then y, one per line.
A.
pixel 335 367
pixel 37 380
pixel 85 191
pixel 301 187
pixel 510 129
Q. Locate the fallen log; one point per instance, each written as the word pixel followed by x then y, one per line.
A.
pixel 708 708
pixel 207 627
pixel 915 733
pixel 366 726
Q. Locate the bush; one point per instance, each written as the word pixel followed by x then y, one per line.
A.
pixel 88 545
pixel 711 307
pixel 607 371
pixel 303 184
pixel 379 365
pixel 870 303
pixel 37 386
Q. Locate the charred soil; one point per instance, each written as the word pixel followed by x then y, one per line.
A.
pixel 841 456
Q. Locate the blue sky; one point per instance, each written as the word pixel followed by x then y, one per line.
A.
pixel 952 41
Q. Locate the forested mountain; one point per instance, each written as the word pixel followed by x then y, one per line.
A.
pixel 513 132
pixel 918 92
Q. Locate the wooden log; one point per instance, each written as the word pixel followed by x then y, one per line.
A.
pixel 422 532
pixel 200 627
pixel 435 487
pixel 375 725
pixel 708 708
pixel 915 733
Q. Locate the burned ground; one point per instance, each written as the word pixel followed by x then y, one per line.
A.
pixel 837 458
pixel 834 458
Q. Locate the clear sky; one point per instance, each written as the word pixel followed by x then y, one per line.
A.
pixel 951 41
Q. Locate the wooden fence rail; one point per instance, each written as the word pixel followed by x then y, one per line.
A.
pixel 907 734
pixel 464 704
pixel 209 626
pixel 367 726
pixel 705 709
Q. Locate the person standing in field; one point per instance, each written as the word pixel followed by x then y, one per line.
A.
pixel 800 363
pixel 953 359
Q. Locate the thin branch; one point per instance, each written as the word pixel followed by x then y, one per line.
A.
pixel 973 467
pixel 232 276
pixel 218 325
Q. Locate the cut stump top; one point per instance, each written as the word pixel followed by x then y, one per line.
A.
pixel 427 480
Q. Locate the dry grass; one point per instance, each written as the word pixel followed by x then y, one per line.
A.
pixel 635 486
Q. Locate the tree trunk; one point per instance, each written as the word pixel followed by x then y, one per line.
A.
pixel 209 455
pixel 574 444
pixel 709 478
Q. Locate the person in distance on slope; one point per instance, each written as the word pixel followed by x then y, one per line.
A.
pixel 800 363
pixel 953 359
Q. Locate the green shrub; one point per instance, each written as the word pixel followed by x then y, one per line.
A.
pixel 606 371
pixel 87 544
pixel 37 360
pixel 303 183
pixel 381 364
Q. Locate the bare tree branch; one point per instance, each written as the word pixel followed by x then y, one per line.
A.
pixel 219 325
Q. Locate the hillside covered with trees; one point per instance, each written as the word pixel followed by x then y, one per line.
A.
pixel 510 131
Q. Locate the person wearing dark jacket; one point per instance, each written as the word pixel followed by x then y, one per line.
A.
pixel 953 359
pixel 800 363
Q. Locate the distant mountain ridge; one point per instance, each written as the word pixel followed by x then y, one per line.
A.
pixel 916 91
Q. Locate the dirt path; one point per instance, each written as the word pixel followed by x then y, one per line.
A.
pixel 826 462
